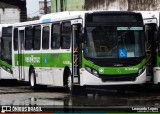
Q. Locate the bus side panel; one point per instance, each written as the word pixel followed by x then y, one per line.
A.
pixel 15 66
pixel 58 65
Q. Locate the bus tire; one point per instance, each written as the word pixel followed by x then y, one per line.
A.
pixel 73 89
pixel 32 80
pixel 68 81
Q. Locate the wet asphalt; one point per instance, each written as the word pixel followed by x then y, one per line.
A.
pixel 53 99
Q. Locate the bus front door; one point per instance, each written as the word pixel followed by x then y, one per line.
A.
pixel 76 55
pixel 151 49
pixel 20 54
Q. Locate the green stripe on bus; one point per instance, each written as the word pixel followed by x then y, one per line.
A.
pixel 43 60
pixel 3 63
pixel 61 60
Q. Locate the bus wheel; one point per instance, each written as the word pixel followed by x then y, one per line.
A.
pixel 32 79
pixel 68 82
pixel 73 89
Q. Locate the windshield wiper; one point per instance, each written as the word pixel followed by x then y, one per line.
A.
pixel 122 37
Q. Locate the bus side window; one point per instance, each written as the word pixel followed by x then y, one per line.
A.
pixel 55 36
pixel 36 37
pixel 45 37
pixel 28 38
pixel 66 35
pixel 15 39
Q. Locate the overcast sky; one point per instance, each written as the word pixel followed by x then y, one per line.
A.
pixel 32 8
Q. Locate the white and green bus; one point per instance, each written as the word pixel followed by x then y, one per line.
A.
pixel 80 49
pixel 6 51
pixel 152 30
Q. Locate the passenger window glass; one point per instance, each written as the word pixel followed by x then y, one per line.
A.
pixel 45 38
pixel 66 35
pixel 21 38
pixel 55 36
pixel 28 38
pixel 36 37
pixel 15 39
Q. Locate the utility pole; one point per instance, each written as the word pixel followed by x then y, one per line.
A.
pixel 56 6
pixel 61 4
pixel 45 6
pixel 129 5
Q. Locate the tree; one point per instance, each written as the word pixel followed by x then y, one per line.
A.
pixel 32 18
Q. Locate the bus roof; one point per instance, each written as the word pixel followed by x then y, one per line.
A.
pixel 75 14
pixel 66 15
pixel 62 15
pixel 27 23
pixel 49 18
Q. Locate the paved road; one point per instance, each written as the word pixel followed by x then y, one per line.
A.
pixel 52 99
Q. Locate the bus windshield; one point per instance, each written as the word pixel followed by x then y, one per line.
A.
pixel 114 42
pixel 6 45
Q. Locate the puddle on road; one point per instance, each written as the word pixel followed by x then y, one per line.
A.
pixel 96 101
pixel 60 100
pixel 107 99
pixel 90 102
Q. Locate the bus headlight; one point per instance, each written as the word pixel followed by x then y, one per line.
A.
pixel 141 70
pixel 94 72
pixel 90 70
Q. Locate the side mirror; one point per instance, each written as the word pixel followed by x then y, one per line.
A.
pixel 82 37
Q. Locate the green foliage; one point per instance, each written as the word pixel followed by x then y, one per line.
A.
pixel 33 18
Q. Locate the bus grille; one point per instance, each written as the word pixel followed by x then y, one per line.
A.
pixel 126 77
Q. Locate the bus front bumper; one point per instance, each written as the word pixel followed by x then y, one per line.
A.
pixel 87 78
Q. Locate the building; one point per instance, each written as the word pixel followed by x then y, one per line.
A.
pixel 122 5
pixel 9 13
pixel 12 11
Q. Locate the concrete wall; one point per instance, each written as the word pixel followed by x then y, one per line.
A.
pixel 106 4
pixel 143 4
pixel 9 16
pixel 68 5
pixel 75 4
pixel 123 5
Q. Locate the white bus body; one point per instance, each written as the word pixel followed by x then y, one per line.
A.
pixel 49 51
